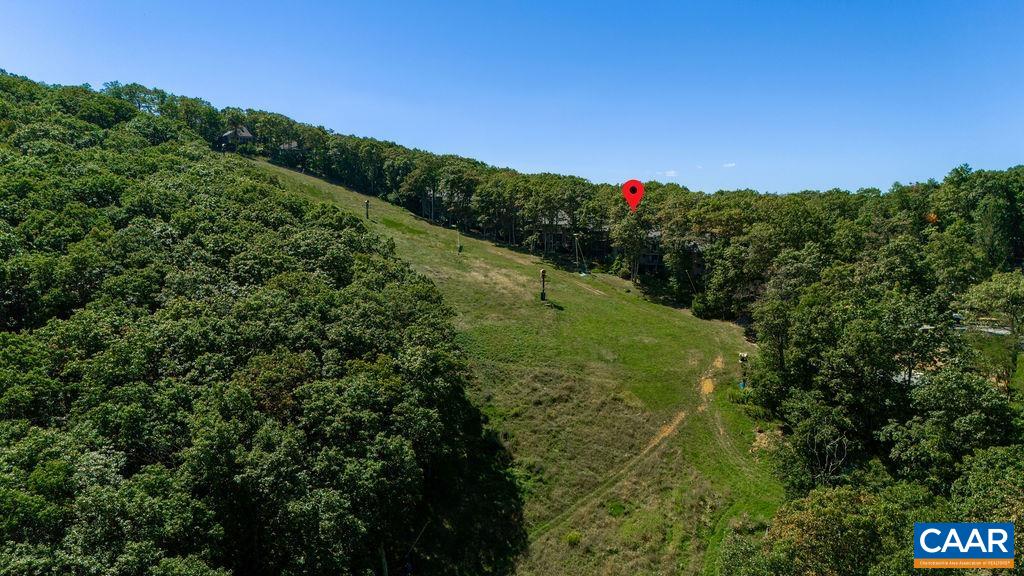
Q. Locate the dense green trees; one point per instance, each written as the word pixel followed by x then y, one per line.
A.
pixel 954 413
pixel 718 248
pixel 864 363
pixel 1002 296
pixel 200 374
pixel 835 531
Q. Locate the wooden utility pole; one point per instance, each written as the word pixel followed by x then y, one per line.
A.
pixel 543 284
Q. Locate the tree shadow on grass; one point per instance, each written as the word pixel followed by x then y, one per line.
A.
pixel 477 524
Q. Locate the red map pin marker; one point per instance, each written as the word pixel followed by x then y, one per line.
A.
pixel 633 192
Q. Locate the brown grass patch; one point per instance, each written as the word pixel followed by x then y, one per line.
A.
pixel 499 279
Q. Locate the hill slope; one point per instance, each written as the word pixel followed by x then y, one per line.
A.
pixel 631 456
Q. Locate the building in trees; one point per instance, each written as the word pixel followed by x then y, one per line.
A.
pixel 288 154
pixel 599 244
pixel 232 138
pixel 556 233
pixel 651 258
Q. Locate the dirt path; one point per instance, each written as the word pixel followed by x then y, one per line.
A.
pixel 724 441
pixel 612 480
pixel 664 432
pixel 706 385
pixel 590 289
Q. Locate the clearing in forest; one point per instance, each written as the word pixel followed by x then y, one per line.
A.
pixel 631 456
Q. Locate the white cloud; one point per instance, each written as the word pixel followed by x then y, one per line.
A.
pixel 668 173
pixel 729 165
pixel 699 167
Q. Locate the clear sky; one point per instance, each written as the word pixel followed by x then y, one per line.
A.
pixel 768 95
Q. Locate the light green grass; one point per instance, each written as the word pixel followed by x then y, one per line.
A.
pixel 580 387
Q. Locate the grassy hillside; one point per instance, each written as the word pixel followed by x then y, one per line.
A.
pixel 632 458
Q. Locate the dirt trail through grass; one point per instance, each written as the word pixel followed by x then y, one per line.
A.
pixel 665 431
pixel 610 481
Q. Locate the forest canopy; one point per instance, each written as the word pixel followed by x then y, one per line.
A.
pixel 201 374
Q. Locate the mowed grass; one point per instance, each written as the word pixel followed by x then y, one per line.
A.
pixel 631 457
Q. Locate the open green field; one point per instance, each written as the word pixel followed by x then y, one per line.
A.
pixel 632 458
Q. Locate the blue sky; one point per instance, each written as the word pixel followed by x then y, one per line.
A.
pixel 769 95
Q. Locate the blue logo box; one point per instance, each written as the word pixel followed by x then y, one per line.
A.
pixel 963 544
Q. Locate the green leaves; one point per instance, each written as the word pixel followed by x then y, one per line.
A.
pixel 954 414
pixel 202 375
pixel 1001 295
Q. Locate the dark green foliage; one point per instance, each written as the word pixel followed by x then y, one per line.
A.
pixel 201 375
pixel 838 531
pixel 992 489
pixel 719 249
pixel 179 328
pixel 955 412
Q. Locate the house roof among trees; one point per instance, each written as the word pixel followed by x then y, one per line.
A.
pixel 240 132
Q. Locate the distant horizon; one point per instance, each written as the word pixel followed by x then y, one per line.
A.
pixel 778 99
